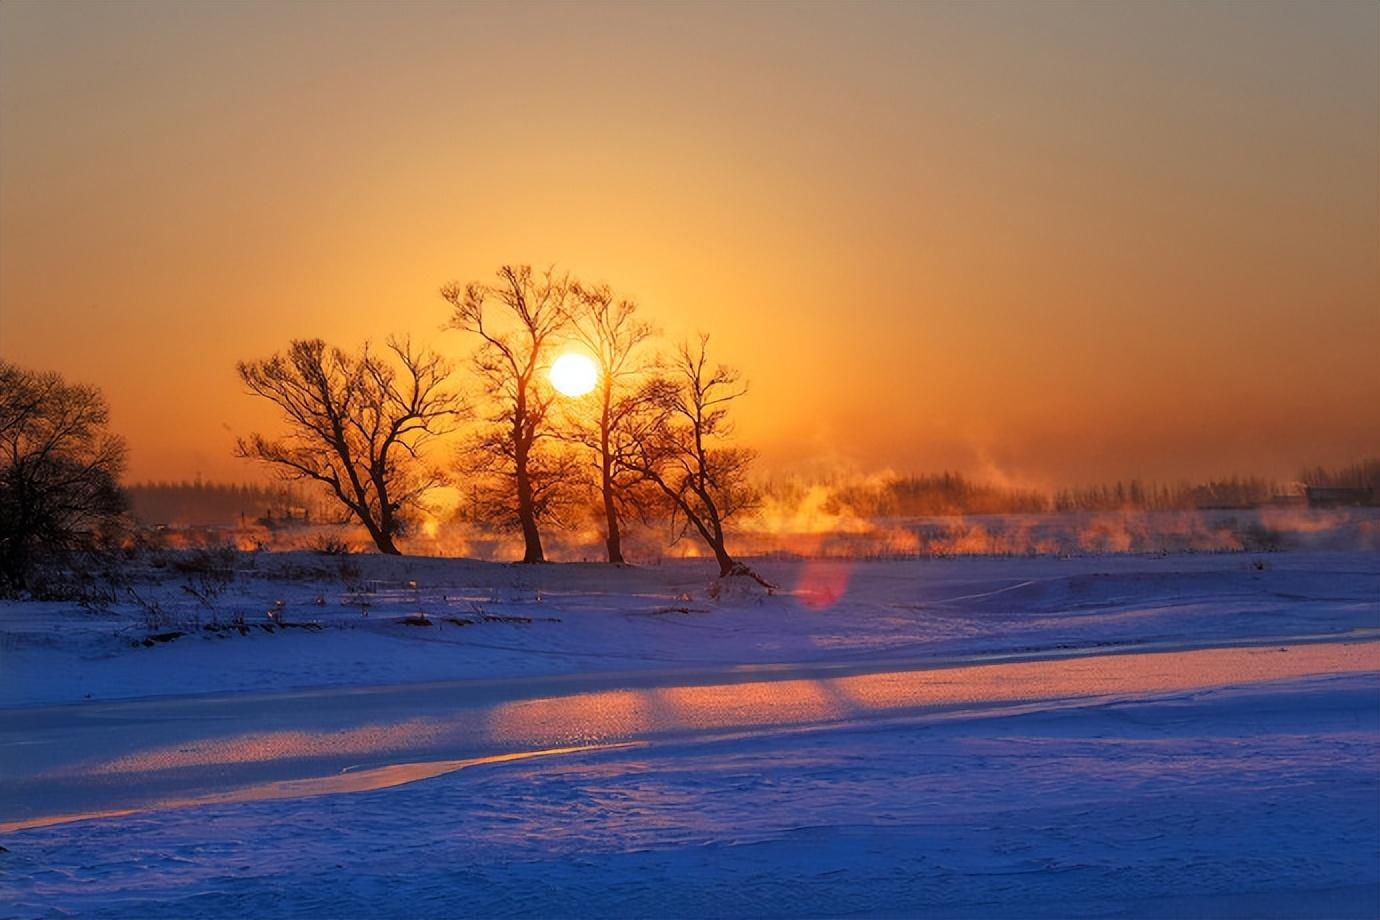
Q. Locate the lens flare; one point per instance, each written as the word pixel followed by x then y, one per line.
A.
pixel 574 374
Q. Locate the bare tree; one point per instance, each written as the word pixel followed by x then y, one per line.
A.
pixel 679 448
pixel 533 310
pixel 556 479
pixel 610 329
pixel 357 425
pixel 59 471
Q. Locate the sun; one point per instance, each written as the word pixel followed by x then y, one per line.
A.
pixel 574 374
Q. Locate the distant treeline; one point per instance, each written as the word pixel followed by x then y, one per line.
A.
pixel 931 495
pixel 205 503
pixel 1364 475
pixel 937 494
pixel 952 493
pixel 1234 492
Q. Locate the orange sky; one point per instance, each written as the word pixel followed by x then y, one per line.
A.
pixel 1056 241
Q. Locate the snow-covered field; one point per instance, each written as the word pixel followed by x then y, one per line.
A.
pixel 1125 735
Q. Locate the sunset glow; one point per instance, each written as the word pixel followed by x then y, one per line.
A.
pixel 961 208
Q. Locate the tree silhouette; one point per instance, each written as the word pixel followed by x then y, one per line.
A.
pixel 532 310
pixel 59 472
pixel 610 329
pixel 357 425
pixel 678 448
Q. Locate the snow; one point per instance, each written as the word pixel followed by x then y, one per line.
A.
pixel 586 618
pixel 1139 736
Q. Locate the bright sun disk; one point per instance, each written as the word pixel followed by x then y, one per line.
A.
pixel 574 374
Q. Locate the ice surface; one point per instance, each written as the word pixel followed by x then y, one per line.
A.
pixel 1115 736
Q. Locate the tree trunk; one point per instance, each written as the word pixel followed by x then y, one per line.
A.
pixel 14 564
pixel 527 516
pixel 531 538
pixel 727 566
pixel 614 539
pixel 383 539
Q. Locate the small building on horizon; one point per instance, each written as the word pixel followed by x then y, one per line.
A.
pixel 1338 497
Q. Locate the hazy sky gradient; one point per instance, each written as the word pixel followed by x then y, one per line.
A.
pixel 1062 241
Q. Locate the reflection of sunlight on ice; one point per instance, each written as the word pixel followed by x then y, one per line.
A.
pixel 258 747
pixel 758 703
pixel 595 717
pixel 587 721
pixel 598 717
pixel 1103 675
pixel 611 714
pixel 354 781
pixel 592 717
